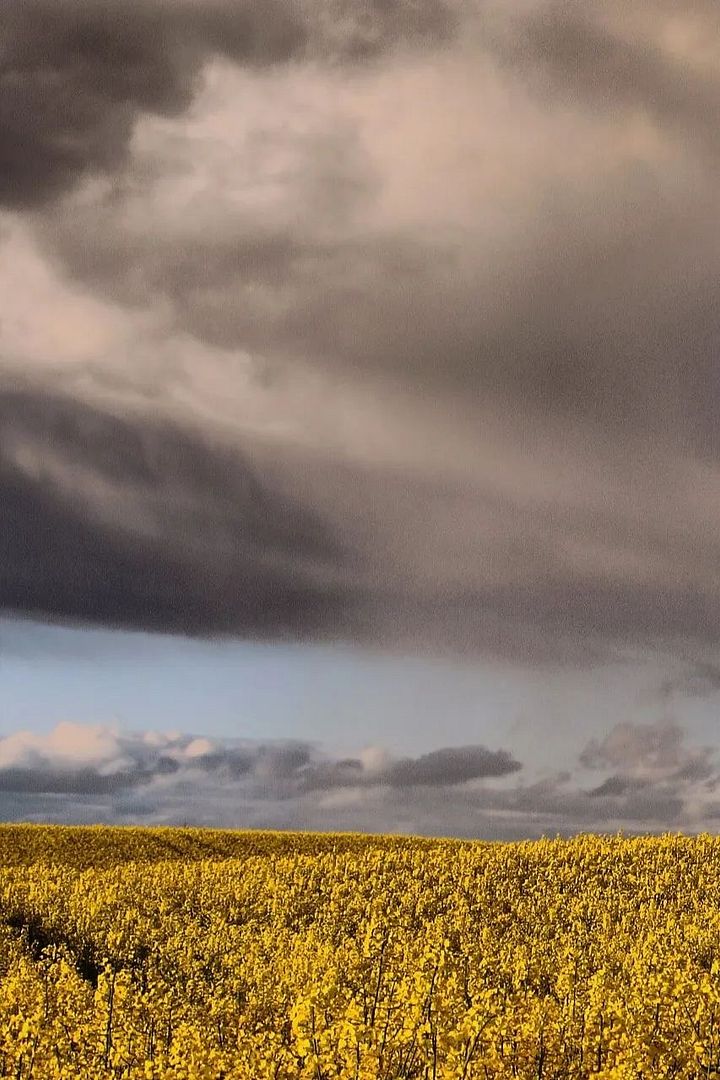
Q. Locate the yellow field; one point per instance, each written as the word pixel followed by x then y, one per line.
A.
pixel 185 954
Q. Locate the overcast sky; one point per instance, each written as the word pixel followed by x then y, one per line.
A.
pixel 368 346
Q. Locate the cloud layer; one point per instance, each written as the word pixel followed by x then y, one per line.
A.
pixel 639 777
pixel 384 322
pixel 76 759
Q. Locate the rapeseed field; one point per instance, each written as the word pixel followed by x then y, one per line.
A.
pixel 189 954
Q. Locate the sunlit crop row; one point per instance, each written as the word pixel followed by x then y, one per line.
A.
pixel 97 846
pixel 361 959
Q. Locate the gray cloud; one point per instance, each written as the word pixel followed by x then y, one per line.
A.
pixel 614 785
pixel 85 773
pixel 424 305
pixel 700 680
pixel 590 56
pixel 439 768
pixel 451 766
pixel 82 760
pixel 78 781
pixel 656 745
pixel 650 761
pixel 75 74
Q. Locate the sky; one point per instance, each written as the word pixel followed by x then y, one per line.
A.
pixel 359 461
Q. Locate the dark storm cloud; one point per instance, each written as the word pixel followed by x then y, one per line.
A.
pixel 556 275
pixel 125 520
pixel 202 545
pixel 549 617
pixel 75 74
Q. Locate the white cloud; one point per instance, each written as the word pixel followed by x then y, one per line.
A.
pixel 67 746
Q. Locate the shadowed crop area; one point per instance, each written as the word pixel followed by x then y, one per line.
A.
pixel 184 954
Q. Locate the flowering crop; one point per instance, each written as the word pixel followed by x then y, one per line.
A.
pixel 184 954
